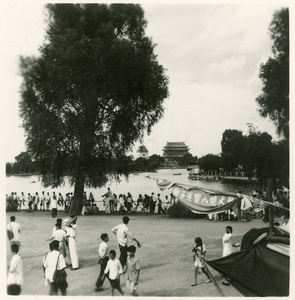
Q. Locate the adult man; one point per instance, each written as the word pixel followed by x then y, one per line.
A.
pixel 152 203
pixel 13 232
pixel 43 200
pixel 108 196
pixel 36 202
pixel 54 205
pixel 48 200
pixel 122 232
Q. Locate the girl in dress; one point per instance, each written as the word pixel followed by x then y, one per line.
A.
pixel 199 251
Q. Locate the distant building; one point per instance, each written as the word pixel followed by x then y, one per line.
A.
pixel 142 152
pixel 174 150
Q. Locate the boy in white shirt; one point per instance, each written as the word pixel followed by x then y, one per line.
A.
pixel 102 261
pixel 114 270
pixel 14 227
pixel 15 277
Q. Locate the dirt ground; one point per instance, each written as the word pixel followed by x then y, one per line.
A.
pixel 165 257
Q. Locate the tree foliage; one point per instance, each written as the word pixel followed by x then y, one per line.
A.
pixel 23 165
pixel 232 146
pixel 256 154
pixel 92 92
pixel 210 162
pixel 146 164
pixel 274 99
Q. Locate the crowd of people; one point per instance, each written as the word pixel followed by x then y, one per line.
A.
pixel 123 203
pixel 63 253
pixel 126 204
pixel 245 210
pixel 41 202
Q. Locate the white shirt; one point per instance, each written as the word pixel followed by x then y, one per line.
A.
pixel 227 244
pixel 15 274
pixel 54 202
pixel 103 249
pixel 58 235
pixel 50 264
pixel 122 233
pixel 114 268
pixel 15 228
pixel 72 231
pixel 121 201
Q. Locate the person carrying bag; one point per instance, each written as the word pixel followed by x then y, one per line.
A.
pixel 55 273
pixel 60 276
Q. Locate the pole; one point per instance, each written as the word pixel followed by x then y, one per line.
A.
pixel 270 212
pixel 204 263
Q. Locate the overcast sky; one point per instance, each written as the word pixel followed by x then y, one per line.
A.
pixel 212 54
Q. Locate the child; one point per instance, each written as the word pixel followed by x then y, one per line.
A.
pixel 133 270
pixel 228 246
pixel 15 277
pixel 227 242
pixel 103 260
pixel 114 268
pixel 199 249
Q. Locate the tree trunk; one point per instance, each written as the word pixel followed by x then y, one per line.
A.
pixel 77 202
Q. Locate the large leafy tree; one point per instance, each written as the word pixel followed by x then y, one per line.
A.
pixel 210 162
pixel 93 91
pixel 274 99
pixel 258 156
pixel 232 145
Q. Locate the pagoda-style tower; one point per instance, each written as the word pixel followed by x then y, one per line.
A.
pixel 142 152
pixel 174 150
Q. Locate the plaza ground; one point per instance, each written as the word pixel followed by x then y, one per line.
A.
pixel 165 256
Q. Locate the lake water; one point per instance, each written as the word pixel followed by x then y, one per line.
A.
pixel 136 184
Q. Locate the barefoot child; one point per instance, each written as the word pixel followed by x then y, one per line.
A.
pixel 133 270
pixel 199 249
pixel 114 268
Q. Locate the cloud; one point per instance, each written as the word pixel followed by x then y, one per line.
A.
pixel 211 52
pixel 228 66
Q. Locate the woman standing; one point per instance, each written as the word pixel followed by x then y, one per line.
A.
pixel 71 231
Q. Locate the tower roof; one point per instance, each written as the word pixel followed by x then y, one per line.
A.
pixel 142 149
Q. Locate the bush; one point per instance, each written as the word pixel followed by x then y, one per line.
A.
pixel 177 210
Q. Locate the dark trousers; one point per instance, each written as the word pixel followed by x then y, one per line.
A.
pixel 54 212
pixel 103 263
pixel 160 209
pixel 54 289
pixel 123 255
pixel 13 289
pixel 115 284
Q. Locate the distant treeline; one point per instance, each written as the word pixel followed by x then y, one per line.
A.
pixel 23 165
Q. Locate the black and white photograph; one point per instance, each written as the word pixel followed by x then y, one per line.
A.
pixel 146 148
